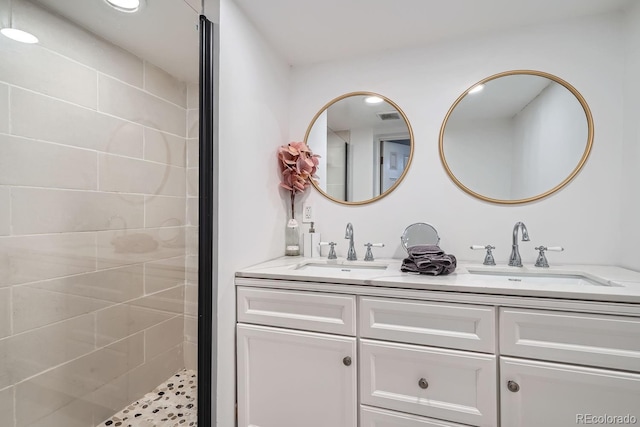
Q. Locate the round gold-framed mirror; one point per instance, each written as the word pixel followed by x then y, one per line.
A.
pixel 365 143
pixel 516 137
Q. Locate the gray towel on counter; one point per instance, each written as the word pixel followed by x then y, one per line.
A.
pixel 428 259
pixel 422 251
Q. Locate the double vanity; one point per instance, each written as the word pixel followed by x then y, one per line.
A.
pixel 351 343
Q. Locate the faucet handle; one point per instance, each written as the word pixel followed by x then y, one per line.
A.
pixel 332 250
pixel 542 259
pixel 369 255
pixel 488 258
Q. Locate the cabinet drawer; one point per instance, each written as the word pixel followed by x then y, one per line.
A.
pixel 375 417
pixel 558 395
pixel 459 326
pixel 460 386
pixel 298 310
pixel 586 339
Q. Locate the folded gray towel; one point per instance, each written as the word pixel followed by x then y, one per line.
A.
pixel 428 259
pixel 424 250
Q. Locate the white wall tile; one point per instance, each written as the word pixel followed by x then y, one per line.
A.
pixel 35 307
pixel 128 102
pixel 193 96
pixel 193 175
pixel 45 394
pixel 163 211
pixel 191 329
pixel 78 413
pixel 31 258
pixel 153 372
pixel 170 301
pixel 5 206
pixel 191 300
pixel 193 123
pixel 191 242
pixel 62 36
pixel 6 407
pixel 162 84
pixel 5 314
pixel 4 108
pixel 164 148
pixel 193 153
pixel 164 336
pixel 192 211
pixel 191 355
pixel 110 398
pixel 116 248
pixel 36 210
pixel 40 164
pixel 64 79
pixel 163 274
pixel 191 273
pixel 23 355
pixel 70 124
pixel 122 320
pixel 126 175
pixel 114 285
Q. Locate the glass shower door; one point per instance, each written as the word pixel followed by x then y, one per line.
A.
pixel 98 216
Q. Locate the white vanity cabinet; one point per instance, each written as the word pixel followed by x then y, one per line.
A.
pixel 289 377
pixel 590 368
pixel 347 355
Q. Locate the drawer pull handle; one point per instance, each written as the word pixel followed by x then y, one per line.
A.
pixel 347 361
pixel 423 383
pixel 513 386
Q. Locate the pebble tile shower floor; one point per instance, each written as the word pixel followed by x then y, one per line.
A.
pixel 171 404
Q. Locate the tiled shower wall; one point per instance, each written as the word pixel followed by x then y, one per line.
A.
pixel 191 289
pixel 97 188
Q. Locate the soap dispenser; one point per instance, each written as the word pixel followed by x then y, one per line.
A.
pixel 311 242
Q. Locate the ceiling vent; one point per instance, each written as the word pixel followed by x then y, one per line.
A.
pixel 391 115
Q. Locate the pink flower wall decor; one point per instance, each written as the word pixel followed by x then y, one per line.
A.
pixel 298 167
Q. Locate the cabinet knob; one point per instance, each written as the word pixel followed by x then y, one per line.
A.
pixel 347 361
pixel 423 383
pixel 513 386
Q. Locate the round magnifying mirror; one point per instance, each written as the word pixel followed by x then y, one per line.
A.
pixel 365 145
pixel 419 233
pixel 516 137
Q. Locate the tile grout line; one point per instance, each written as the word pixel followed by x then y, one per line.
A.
pixel 141 88
pixel 87 108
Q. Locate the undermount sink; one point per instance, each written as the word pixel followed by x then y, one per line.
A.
pixel 517 278
pixel 324 267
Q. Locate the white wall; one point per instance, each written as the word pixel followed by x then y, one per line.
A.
pixel 629 230
pixel 361 163
pixel 425 82
pixel 551 133
pixel 254 99
pixel 479 153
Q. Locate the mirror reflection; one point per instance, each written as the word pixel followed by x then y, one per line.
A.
pixel 516 137
pixel 365 145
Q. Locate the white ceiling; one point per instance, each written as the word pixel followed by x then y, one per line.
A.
pixel 309 31
pixel 502 98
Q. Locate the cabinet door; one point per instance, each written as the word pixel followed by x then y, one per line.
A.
pixel 557 395
pixel 292 378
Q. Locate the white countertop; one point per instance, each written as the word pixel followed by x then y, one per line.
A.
pixel 613 284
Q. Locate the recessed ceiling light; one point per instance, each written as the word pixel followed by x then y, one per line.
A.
pixel 128 6
pixel 476 89
pixel 19 35
pixel 373 100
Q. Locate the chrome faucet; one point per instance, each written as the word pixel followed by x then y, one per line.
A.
pixel 514 259
pixel 348 234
